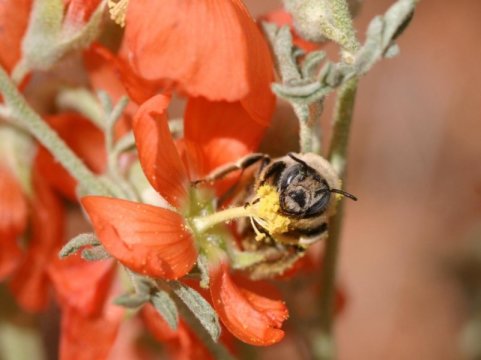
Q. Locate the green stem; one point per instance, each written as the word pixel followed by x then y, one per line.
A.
pixel 337 155
pixel 343 112
pixel 34 124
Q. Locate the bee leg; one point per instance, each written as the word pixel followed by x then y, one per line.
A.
pixel 275 266
pixel 226 169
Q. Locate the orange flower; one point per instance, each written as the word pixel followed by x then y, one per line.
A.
pixel 182 344
pixel 79 11
pixel 82 285
pixel 281 17
pixel 90 322
pixel 84 139
pixel 14 15
pixel 30 282
pixel 13 220
pixel 152 240
pixel 89 337
pixel 252 318
pixel 208 49
pixel 148 239
pixel 112 74
pixel 204 48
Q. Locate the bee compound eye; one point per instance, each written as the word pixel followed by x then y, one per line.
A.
pixel 319 203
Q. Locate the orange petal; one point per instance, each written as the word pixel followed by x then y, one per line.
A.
pixel 86 338
pixel 202 48
pixel 112 74
pixel 252 318
pixel 80 284
pixel 10 255
pixel 157 152
pixel 30 282
pixel 79 11
pixel 260 102
pixel 281 17
pixel 14 15
pixel 13 220
pixel 224 131
pixel 84 139
pixel 181 344
pixel 193 157
pixel 206 121
pixel 148 239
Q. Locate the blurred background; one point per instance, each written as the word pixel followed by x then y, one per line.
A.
pixel 407 253
pixel 410 259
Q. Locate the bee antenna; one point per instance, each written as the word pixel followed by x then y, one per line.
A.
pixel 302 162
pixel 343 193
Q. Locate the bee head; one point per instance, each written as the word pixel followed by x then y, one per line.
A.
pixel 303 191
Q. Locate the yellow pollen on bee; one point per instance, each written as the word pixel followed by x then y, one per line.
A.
pixel 267 211
pixel 263 211
pixel 118 10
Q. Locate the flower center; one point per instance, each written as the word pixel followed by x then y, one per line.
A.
pixel 263 210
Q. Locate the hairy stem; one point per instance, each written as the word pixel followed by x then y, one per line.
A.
pixel 35 125
pixel 338 156
pixel 342 125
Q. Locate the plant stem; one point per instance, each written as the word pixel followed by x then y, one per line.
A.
pixel 343 112
pixel 36 126
pixel 337 155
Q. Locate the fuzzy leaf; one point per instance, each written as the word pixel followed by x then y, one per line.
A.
pixel 281 40
pixel 47 39
pixel 392 51
pixel 87 34
pixel 311 63
pixel 166 307
pixel 303 94
pixel 132 301
pixel 82 101
pixel 199 307
pixel 44 29
pixel 203 265
pixel 125 143
pixel 95 253
pixel 78 242
pixel 381 34
pixel 117 111
pixel 397 18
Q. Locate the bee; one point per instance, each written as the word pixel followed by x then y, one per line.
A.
pixel 289 200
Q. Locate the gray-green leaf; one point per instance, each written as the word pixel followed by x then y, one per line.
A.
pixel 166 307
pixel 381 34
pixel 132 301
pixel 199 307
pixel 78 242
pixel 95 253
